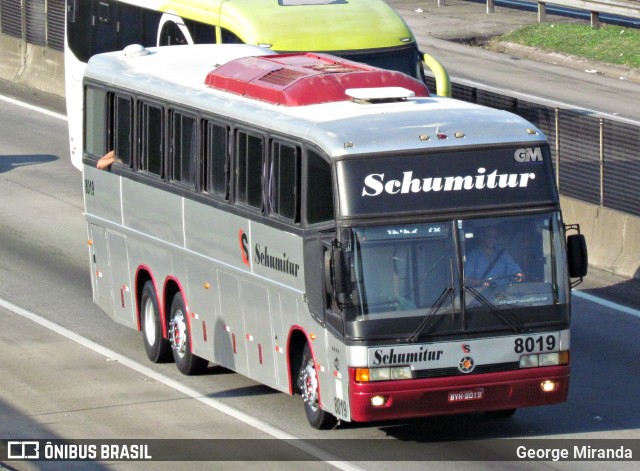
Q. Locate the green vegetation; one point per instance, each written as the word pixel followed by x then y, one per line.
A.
pixel 610 44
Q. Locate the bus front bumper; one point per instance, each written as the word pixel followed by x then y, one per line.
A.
pixel 402 399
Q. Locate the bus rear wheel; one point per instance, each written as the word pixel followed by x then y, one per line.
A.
pixel 310 390
pixel 156 346
pixel 187 362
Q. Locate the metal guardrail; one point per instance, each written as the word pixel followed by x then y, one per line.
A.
pixel 628 8
pixel 39 22
pixel 596 158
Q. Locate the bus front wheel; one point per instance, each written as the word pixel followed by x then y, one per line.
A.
pixel 310 390
pixel 155 345
pixel 187 362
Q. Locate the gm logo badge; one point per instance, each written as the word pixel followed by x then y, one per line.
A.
pixel 528 155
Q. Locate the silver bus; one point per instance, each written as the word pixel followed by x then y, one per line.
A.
pixel 329 229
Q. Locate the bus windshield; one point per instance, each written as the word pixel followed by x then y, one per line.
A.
pixel 405 59
pixel 442 278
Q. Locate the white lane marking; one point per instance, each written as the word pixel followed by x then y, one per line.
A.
pixel 608 304
pixel 22 104
pixel 230 411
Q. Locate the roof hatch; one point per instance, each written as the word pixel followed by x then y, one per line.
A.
pixel 307 79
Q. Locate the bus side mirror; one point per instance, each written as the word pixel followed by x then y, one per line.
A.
pixel 577 256
pixel 334 272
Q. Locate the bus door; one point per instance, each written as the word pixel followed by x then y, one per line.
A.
pixel 231 325
pixel 112 285
pixel 101 274
pixel 258 333
pixel 203 305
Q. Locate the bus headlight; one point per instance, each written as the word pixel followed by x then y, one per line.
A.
pixel 364 375
pixel 401 372
pixel 380 374
pixel 544 359
pixel 549 359
pixel 529 361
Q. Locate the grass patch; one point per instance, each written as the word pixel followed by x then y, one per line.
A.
pixel 610 44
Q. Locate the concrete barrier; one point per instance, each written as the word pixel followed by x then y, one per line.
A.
pixel 34 66
pixel 612 236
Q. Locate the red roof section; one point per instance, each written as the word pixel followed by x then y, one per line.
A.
pixel 304 78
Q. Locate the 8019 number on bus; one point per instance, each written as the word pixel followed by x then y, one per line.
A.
pixel 538 343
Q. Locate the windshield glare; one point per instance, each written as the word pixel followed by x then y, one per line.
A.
pixel 467 274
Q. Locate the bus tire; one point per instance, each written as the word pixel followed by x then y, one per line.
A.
pixel 156 346
pixel 180 340
pixel 310 389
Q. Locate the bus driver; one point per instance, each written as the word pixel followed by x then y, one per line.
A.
pixel 488 265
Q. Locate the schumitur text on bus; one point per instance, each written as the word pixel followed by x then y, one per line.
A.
pixel 375 183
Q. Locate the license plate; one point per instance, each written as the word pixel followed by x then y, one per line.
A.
pixel 466 395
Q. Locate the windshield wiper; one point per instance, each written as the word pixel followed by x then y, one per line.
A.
pixel 428 319
pixel 505 315
pixel 426 273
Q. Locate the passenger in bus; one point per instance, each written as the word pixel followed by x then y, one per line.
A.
pixel 490 265
pixel 106 160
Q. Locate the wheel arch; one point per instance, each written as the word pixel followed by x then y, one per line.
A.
pixel 144 274
pixel 298 338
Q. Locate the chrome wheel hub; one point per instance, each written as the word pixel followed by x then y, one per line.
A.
pixel 178 333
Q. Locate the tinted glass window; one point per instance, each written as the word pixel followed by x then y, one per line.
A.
pixel 183 148
pixel 284 191
pixel 229 37
pixel 216 158
pixel 151 142
pixel 319 195
pixel 249 169
pixel 100 26
pixel 171 35
pixel 122 132
pixel 94 139
pixel 104 28
pixel 201 33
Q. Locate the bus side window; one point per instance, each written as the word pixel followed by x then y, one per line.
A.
pixel 130 26
pixel 249 161
pixel 171 35
pixel 151 139
pixel 319 189
pixel 104 28
pixel 183 148
pixel 79 19
pixel 284 181
pixel 122 129
pixel 230 38
pixel 95 121
pixel 216 159
pixel 201 33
